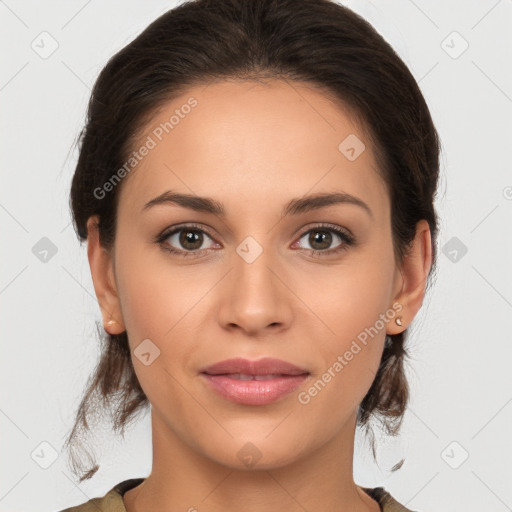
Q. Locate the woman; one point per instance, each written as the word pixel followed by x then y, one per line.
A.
pixel 256 185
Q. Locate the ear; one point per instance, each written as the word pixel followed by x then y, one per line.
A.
pixel 101 263
pixel 411 277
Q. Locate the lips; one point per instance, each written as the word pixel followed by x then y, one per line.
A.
pixel 241 376
pixel 262 367
pixel 254 382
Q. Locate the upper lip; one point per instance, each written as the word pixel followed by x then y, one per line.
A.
pixel 265 366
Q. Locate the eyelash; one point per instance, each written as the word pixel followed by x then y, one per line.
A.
pixel 348 239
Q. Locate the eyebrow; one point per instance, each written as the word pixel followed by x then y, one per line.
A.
pixel 293 207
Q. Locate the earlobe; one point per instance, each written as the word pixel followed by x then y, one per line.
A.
pixel 101 265
pixel 414 274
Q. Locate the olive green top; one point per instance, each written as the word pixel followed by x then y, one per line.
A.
pixel 113 499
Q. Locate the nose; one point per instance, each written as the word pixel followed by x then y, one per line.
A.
pixel 255 297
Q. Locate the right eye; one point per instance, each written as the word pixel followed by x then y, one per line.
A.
pixel 184 240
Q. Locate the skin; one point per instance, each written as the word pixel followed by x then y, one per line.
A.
pixel 253 147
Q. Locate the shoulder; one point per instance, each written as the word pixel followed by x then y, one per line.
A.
pixel 112 501
pixel 385 500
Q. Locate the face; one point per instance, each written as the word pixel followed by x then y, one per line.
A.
pixel 276 274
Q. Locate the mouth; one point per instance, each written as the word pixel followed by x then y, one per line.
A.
pixel 266 366
pixel 241 376
pixel 254 382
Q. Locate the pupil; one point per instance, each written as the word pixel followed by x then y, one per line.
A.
pixel 189 237
pixel 324 236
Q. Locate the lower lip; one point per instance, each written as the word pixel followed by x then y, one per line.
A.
pixel 254 392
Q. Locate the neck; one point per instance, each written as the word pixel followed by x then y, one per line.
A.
pixel 183 479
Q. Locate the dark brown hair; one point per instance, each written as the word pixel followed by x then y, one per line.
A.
pixel 201 41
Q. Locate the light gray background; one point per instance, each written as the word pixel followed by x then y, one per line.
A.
pixel 461 345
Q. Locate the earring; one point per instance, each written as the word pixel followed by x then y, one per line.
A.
pixel 398 320
pixel 109 325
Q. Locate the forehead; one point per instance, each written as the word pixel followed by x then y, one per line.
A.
pixel 253 141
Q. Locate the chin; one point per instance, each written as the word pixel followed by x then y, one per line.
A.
pixel 255 453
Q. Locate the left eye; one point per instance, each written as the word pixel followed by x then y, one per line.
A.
pixel 322 238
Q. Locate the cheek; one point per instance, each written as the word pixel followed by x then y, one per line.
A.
pixel 351 359
pixel 154 295
pixel 351 303
pixel 155 308
pixel 161 304
pixel 354 308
